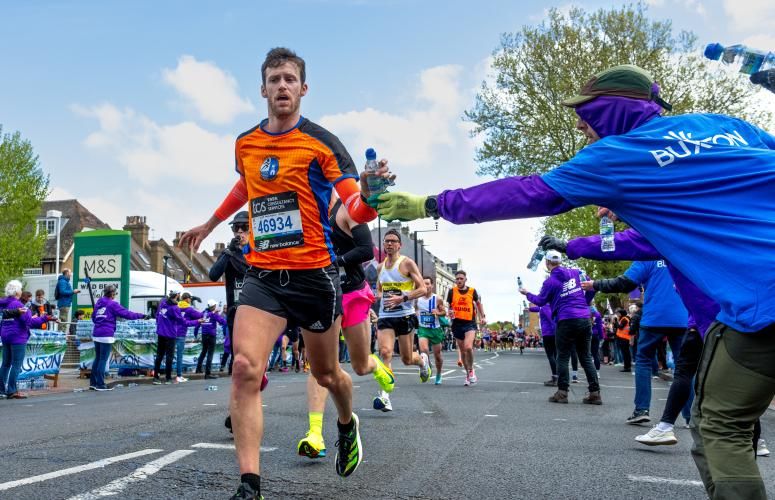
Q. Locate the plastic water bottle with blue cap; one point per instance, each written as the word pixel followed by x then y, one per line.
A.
pixel 749 60
pixel 607 243
pixel 376 184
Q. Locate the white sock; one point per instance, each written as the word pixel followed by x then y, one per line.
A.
pixel 664 427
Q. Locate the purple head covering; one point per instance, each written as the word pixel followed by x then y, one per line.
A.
pixel 614 115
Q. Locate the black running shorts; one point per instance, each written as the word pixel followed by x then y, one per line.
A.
pixel 401 326
pixel 460 328
pixel 311 299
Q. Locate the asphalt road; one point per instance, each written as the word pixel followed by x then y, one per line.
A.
pixel 498 439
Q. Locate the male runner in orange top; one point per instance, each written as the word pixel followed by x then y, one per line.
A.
pixel 288 167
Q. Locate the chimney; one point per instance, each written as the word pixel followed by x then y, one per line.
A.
pixel 219 248
pixel 178 235
pixel 157 252
pixel 139 229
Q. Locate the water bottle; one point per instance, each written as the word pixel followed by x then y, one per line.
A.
pixel 607 243
pixel 536 259
pixel 749 59
pixel 519 282
pixel 376 184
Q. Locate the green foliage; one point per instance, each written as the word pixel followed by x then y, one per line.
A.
pixel 23 187
pixel 526 130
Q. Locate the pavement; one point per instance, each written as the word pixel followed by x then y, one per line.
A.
pixel 497 439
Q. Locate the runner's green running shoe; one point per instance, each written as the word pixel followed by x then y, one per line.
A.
pixel 349 451
pixel 312 446
pixel 384 375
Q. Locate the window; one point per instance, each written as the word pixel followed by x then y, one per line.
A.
pixel 143 258
pixel 48 227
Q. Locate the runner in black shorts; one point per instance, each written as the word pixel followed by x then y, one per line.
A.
pixel 399 283
pixel 287 168
pixel 464 303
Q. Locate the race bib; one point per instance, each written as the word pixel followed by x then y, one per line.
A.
pixel 391 293
pixel 427 320
pixel 276 221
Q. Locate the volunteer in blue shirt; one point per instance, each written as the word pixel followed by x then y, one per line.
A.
pixel 664 315
pixel 698 187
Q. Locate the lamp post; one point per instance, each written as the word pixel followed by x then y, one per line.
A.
pixel 165 258
pixel 436 228
pixel 56 214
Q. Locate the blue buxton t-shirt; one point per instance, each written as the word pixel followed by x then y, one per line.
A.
pixel 701 189
pixel 662 305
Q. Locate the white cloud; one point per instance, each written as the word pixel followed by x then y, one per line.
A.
pixel 151 152
pixel 409 138
pixel 213 92
pixel 58 193
pixel 752 16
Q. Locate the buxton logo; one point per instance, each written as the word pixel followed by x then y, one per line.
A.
pixel 269 168
pixel 687 146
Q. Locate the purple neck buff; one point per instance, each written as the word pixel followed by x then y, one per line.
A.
pixel 614 115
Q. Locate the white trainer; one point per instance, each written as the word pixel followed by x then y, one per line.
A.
pixel 655 437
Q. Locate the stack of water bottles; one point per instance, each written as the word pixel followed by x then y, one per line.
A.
pixel 140 329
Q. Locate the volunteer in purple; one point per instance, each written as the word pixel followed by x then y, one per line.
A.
pixel 210 321
pixel 15 332
pixel 189 313
pixel 169 321
pixel 597 336
pixel 106 311
pixel 663 316
pixel 630 245
pixel 547 334
pixel 562 291
pixel 698 188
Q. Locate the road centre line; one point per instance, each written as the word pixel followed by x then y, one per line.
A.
pixel 74 470
pixel 663 480
pixel 116 487
pixel 223 446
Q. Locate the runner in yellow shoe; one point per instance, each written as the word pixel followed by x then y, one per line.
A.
pixel 353 246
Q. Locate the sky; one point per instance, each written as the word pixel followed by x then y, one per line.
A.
pixel 133 107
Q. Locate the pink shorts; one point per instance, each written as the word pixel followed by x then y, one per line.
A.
pixel 356 306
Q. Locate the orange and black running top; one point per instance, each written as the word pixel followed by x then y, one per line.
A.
pixel 289 178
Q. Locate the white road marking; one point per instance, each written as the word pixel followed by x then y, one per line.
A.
pixel 491 415
pixel 210 404
pixel 444 374
pixel 428 412
pixel 69 404
pixel 223 446
pixel 524 392
pixel 116 487
pixel 74 470
pixel 560 419
pixel 665 480
pixel 160 404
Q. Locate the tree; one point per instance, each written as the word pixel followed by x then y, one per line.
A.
pixel 23 187
pixel 526 130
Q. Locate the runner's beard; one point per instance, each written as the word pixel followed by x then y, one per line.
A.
pixel 278 112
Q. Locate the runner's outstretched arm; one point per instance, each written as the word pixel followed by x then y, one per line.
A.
pixel 234 200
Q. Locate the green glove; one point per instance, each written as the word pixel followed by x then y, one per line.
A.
pixel 399 206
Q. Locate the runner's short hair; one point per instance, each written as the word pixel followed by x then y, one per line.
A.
pixel 279 56
pixel 394 232
pixel 461 272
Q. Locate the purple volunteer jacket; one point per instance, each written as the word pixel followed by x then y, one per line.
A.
pixel 16 331
pixel 597 326
pixel 562 291
pixel 211 321
pixel 631 245
pixel 547 323
pixel 106 310
pixel 188 314
pixel 168 318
